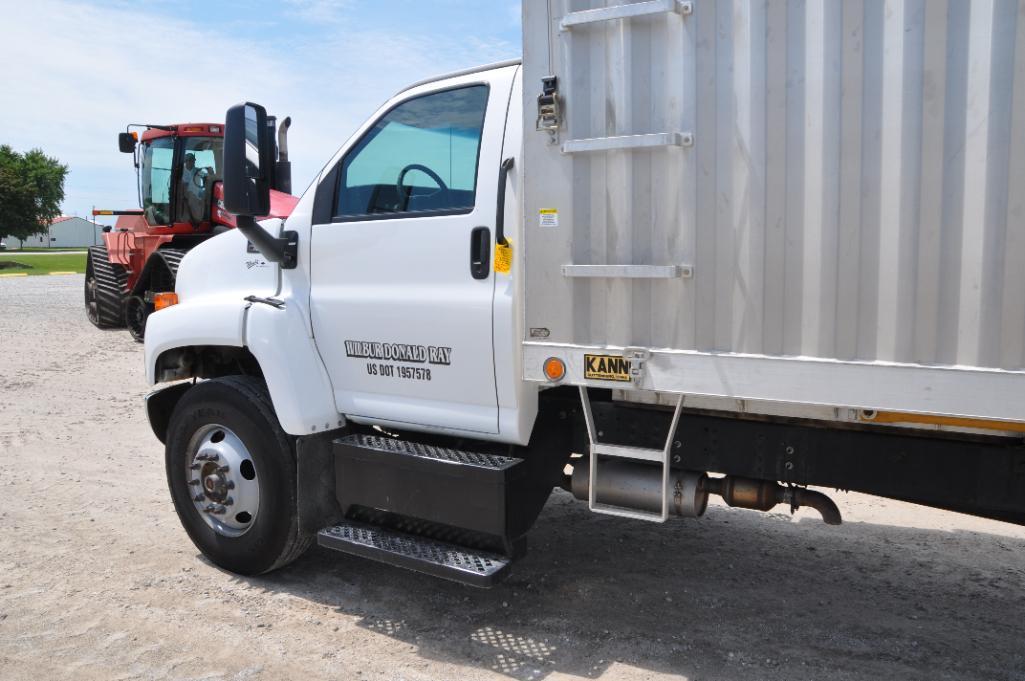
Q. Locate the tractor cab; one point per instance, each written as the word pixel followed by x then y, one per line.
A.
pixel 179 173
pixel 180 206
pixel 178 167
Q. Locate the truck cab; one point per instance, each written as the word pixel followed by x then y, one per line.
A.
pixel 381 308
pixel 395 273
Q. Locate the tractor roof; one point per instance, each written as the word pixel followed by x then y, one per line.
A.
pixel 184 130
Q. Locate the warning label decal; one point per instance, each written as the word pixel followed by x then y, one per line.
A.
pixel 606 368
pixel 549 217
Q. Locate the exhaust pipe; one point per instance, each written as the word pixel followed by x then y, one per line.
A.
pixel 763 495
pixel 283 167
pixel 639 486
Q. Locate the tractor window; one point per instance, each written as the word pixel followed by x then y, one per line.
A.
pixel 201 167
pixel 420 157
pixel 155 177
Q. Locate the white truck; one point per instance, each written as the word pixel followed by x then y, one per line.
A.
pixel 684 248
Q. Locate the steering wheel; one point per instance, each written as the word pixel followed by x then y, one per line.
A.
pixel 199 177
pixel 400 187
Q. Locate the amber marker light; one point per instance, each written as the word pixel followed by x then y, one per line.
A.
pixel 555 369
pixel 162 300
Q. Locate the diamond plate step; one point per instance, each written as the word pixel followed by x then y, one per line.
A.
pixel 439 454
pixel 430 556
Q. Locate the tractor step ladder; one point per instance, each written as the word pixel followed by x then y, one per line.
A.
pixel 598 450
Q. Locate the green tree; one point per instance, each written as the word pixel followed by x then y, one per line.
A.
pixel 31 191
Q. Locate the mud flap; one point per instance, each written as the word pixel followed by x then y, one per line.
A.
pixel 315 482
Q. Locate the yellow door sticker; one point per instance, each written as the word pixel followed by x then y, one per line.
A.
pixel 606 368
pixel 503 257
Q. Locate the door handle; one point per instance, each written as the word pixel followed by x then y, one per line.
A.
pixel 480 252
pixel 503 179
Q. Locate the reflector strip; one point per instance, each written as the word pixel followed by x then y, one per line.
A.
pixel 929 419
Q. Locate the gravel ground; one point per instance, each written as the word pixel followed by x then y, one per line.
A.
pixel 99 581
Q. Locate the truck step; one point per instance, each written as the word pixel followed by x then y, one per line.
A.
pixel 429 556
pixel 464 489
pixel 427 453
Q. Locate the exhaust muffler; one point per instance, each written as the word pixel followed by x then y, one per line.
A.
pixel 639 487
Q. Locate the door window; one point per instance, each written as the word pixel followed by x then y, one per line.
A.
pixel 155 176
pixel 420 157
pixel 201 167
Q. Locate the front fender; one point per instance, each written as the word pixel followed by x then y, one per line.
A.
pixel 299 386
pixel 296 378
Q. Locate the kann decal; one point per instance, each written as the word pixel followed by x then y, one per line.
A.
pixel 606 368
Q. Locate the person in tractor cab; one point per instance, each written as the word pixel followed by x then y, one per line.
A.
pixel 194 190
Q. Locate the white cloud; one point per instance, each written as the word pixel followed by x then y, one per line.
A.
pixel 320 11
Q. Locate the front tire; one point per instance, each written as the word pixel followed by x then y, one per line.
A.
pixel 136 313
pixel 231 471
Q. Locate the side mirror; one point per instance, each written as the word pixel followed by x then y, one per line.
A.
pixel 126 143
pixel 247 161
pixel 248 169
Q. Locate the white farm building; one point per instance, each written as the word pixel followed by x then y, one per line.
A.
pixel 63 232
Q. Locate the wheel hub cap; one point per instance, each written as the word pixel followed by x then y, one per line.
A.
pixel 221 480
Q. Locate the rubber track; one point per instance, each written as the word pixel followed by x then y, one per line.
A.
pixel 111 280
pixel 256 391
pixel 159 277
pixel 172 258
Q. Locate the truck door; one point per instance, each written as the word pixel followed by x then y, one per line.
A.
pixel 402 282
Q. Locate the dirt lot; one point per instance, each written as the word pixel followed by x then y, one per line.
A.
pixel 98 580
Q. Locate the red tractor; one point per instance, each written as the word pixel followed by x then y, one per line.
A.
pixel 179 170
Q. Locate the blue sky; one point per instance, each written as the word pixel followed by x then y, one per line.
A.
pixel 75 73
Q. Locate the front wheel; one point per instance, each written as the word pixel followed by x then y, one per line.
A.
pixel 136 313
pixel 232 475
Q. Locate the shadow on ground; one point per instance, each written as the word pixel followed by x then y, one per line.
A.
pixel 734 595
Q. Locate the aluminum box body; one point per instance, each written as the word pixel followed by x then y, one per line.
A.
pixel 812 202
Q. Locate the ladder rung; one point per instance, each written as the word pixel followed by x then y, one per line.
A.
pixel 651 140
pixel 627 513
pixel 628 11
pixel 621 452
pixel 628 271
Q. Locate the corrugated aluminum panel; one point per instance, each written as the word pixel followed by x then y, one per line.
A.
pixel 853 188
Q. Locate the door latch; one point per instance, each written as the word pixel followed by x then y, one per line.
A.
pixel 549 114
pixel 637 357
pixel 276 303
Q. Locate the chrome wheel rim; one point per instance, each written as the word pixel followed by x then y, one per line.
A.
pixel 221 479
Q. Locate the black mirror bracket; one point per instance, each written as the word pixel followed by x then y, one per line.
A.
pixel 283 250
